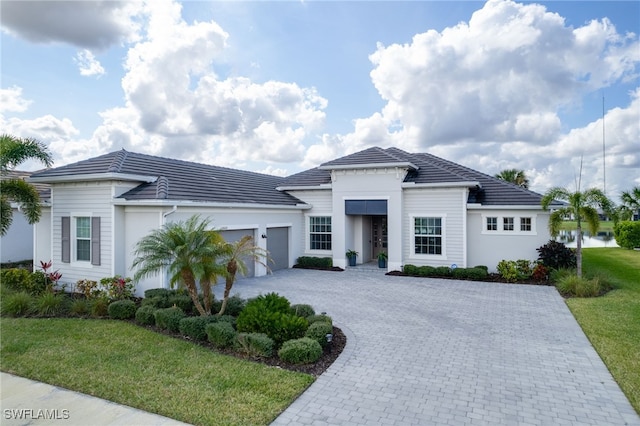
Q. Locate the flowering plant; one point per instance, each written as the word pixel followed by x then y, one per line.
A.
pixel 51 278
pixel 118 288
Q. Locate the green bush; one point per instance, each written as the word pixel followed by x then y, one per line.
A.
pixel 318 331
pixel 17 304
pixel 302 310
pixel 235 305
pixel 99 307
pixel 255 344
pixel 270 314
pixel 49 304
pixel 581 287
pixel 319 318
pixel 485 268
pixel 194 327
pixel 157 302
pixel 181 301
pixel 443 271
pixel 118 288
pixel 145 315
pixel 314 262
pixel 221 334
pixel 410 269
pixel 169 318
pixel 515 270
pixel 89 288
pixel 122 309
pixel 427 271
pixel 37 283
pixel 79 307
pixel 475 274
pixel 155 292
pixel 556 275
pixel 15 278
pixel 627 234
pixel 300 351
pixel 556 255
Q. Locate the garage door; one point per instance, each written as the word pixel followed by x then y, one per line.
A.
pixel 235 235
pixel 278 246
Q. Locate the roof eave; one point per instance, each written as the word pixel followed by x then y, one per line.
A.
pixel 464 184
pixel 212 204
pixel 93 177
pixel 476 206
pixel 304 188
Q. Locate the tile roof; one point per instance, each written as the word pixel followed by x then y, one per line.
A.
pixel 44 190
pixel 179 180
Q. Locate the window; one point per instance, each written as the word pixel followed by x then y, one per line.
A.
pixel 525 224
pixel 320 233
pixel 492 224
pixel 83 239
pixel 428 235
pixel 507 224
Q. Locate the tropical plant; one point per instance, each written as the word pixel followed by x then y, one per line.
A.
pixel 13 152
pixel 234 254
pixel 514 176
pixel 189 252
pixel 630 203
pixel 582 207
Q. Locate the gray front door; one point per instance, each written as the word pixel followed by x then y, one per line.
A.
pixel 378 235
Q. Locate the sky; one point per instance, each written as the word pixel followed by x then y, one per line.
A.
pixel 279 87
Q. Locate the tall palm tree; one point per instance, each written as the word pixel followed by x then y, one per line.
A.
pixel 514 176
pixel 235 255
pixel 630 202
pixel 582 206
pixel 189 252
pixel 13 152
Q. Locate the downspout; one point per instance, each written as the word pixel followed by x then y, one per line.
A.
pixel 164 220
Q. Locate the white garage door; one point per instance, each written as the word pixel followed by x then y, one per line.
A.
pixel 235 235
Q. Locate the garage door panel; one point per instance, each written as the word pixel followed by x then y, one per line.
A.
pixel 278 247
pixel 234 236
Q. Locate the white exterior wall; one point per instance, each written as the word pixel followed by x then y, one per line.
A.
pixel 139 221
pixel 42 239
pixel 489 248
pixel 450 205
pixel 322 205
pixel 17 243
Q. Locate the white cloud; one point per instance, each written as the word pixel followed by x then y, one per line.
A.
pixel 88 24
pixel 88 64
pixel 11 100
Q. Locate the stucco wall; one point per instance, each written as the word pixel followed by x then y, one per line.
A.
pixel 17 243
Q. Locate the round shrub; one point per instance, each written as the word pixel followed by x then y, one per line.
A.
pixel 155 292
pixel 442 271
pixel 410 269
pixel 157 302
pixel 300 351
pixel 256 344
pixel 317 318
pixel 627 234
pixel 318 331
pixel 302 310
pixel 144 315
pixel 221 334
pixel 169 318
pixel 122 309
pixel 476 274
pixel 49 304
pixel 17 304
pixel 100 307
pixel 183 302
pixel 427 271
pixel 194 327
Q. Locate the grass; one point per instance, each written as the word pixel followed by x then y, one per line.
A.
pixel 612 322
pixel 130 365
pixel 572 225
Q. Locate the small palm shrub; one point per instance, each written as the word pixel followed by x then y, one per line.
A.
pixel 255 344
pixel 316 318
pixel 221 334
pixel 49 304
pixel 300 351
pixel 79 307
pixel 318 331
pixel 302 310
pixel 144 315
pixel 99 307
pixel 556 255
pixel 169 318
pixel 271 314
pixel 122 309
pixel 194 327
pixel 573 285
pixel 17 304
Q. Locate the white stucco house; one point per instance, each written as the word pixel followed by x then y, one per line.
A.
pixel 419 208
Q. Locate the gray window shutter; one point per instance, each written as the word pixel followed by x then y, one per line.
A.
pixel 66 239
pixel 95 240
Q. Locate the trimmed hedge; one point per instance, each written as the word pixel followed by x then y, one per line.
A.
pixel 145 315
pixel 256 344
pixel 157 292
pixel 221 334
pixel 477 273
pixel 302 310
pixel 194 327
pixel 300 351
pixel 314 262
pixel 318 331
pixel 122 309
pixel 627 234
pixel 317 318
pixel 169 318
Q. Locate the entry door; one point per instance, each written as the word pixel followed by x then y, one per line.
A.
pixel 378 235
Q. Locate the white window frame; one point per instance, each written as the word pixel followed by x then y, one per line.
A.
pixel 516 223
pixel 74 239
pixel 493 224
pixel 443 236
pixel 508 220
pixel 522 218
pixel 307 234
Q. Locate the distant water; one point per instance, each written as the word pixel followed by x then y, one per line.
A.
pixel 602 239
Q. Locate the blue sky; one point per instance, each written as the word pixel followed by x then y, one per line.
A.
pixel 280 87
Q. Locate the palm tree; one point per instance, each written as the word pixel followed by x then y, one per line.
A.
pixel 13 152
pixel 630 202
pixel 235 253
pixel 190 253
pixel 582 206
pixel 514 176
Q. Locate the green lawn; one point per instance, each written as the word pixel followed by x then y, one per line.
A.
pixel 124 363
pixel 612 322
pixel 572 225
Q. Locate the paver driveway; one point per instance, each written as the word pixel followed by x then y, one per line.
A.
pixel 429 351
